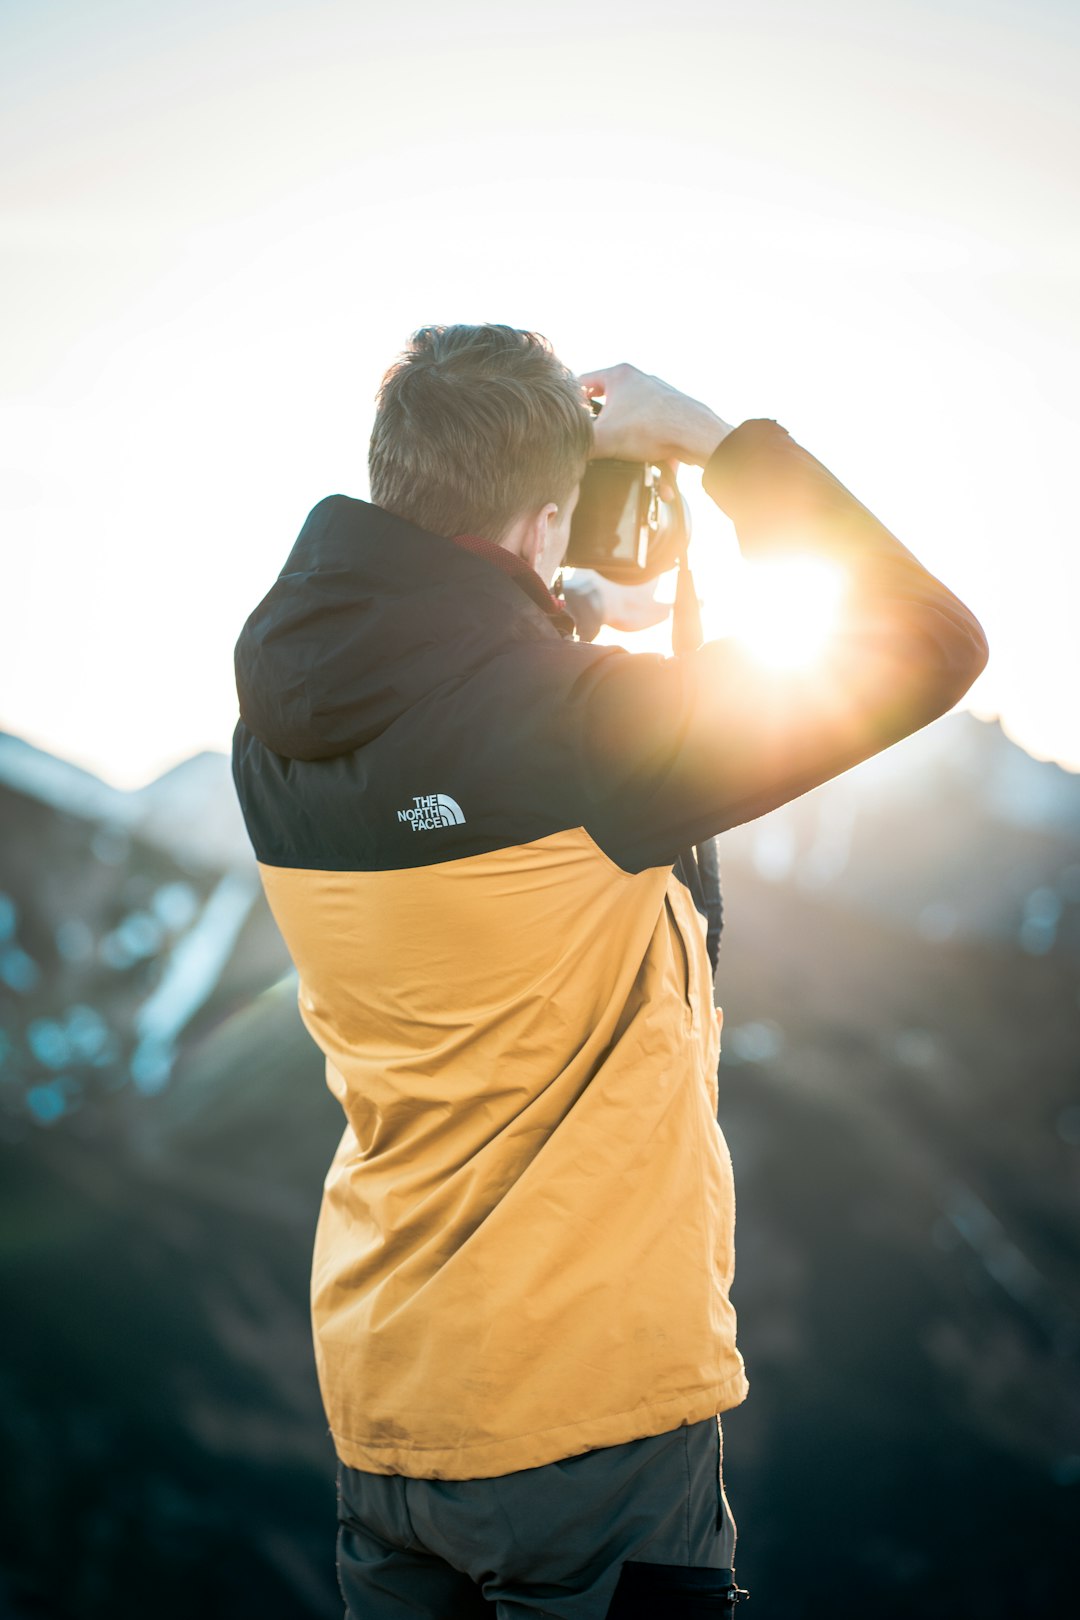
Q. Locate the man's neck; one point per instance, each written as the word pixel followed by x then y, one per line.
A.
pixel 518 570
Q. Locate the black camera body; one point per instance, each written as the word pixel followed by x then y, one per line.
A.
pixel 622 528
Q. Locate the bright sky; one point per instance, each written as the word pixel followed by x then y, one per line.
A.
pixel 221 218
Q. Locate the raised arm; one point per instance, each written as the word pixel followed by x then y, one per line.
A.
pixel 675 750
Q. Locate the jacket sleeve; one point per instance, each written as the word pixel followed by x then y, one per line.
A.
pixel 672 751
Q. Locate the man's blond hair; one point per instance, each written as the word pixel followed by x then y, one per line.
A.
pixel 475 426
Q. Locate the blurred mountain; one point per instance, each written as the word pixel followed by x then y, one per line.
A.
pixel 193 812
pixel 955 832
pixel 898 1086
pixel 118 937
pixel 190 812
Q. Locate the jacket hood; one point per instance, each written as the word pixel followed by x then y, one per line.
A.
pixel 367 617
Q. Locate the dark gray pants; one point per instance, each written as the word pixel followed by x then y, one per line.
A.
pixel 641 1529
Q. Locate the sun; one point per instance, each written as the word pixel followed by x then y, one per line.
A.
pixel 787 609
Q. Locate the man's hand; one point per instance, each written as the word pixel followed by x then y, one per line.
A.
pixel 644 419
pixel 595 601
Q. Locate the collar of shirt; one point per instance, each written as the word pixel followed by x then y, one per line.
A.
pixel 526 577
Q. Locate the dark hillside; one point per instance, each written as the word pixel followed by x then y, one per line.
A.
pixel 901 1100
pixel 908 1283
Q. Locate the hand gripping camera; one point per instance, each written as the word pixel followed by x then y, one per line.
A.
pixel 623 528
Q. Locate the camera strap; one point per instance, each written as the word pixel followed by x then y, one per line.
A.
pixel 686 631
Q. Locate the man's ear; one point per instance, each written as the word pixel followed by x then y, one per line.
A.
pixel 534 540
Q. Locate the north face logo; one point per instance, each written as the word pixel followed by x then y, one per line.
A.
pixel 432 810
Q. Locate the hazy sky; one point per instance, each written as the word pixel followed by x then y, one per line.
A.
pixel 219 222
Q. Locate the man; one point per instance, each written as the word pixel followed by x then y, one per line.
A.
pixel 476 834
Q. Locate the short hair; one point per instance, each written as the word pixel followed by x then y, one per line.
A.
pixel 476 425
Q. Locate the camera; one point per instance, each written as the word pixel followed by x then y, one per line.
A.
pixel 621 527
pixel 624 529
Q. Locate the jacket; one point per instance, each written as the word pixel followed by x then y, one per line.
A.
pixel 474 834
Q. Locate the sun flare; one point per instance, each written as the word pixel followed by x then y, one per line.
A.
pixel 787 609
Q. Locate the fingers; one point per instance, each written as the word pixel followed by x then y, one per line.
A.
pixel 601 382
pixel 595 383
pixel 642 616
pixel 616 424
pixel 645 419
pixel 634 607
